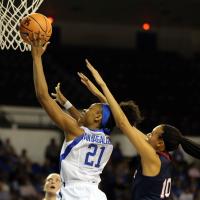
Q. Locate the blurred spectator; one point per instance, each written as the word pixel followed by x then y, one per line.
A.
pixel 178 155
pixel 26 188
pixel 52 151
pixel 186 195
pixel 22 179
pixel 108 181
pixel 197 194
pixel 52 186
pixel 8 147
pixel 194 171
pixel 4 191
pixel 117 155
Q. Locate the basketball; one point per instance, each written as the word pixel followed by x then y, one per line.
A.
pixel 35 23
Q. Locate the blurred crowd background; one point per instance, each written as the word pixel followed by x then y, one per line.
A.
pixel 165 85
pixel 23 179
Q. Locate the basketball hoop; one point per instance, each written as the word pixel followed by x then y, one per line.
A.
pixel 11 11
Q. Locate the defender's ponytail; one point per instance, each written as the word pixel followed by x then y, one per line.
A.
pixel 172 138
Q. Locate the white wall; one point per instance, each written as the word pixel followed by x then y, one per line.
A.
pixel 35 141
pixel 126 147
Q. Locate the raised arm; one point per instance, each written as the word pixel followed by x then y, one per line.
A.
pixel 63 101
pixel 92 88
pixel 61 119
pixel 149 158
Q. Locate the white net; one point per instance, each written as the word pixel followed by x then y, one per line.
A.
pixel 11 11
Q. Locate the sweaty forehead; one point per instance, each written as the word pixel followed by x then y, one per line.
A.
pixel 53 176
pixel 95 106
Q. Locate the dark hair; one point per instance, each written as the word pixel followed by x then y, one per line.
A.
pixel 132 112
pixel 172 137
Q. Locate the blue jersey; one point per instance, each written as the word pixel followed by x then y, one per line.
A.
pixel 153 188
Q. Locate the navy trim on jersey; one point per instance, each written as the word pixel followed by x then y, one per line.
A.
pixel 70 147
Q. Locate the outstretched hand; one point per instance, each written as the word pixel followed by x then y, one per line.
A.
pixel 95 74
pixel 38 47
pixel 85 80
pixel 59 97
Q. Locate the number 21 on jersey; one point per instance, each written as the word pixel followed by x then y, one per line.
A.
pixel 93 157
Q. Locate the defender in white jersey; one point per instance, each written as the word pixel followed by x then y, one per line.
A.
pixel 87 147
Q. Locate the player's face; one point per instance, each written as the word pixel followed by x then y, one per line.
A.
pixel 91 115
pixel 52 183
pixel 155 138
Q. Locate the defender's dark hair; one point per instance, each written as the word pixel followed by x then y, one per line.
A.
pixel 132 112
pixel 172 137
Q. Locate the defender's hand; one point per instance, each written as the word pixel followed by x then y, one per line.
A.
pixel 95 73
pixel 59 97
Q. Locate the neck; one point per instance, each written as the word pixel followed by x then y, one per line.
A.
pixel 50 196
pixel 93 127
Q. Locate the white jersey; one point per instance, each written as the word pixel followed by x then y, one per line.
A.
pixel 84 158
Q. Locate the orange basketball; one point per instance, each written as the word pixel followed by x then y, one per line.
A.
pixel 35 23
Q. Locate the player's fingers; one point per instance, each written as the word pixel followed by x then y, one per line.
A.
pixel 35 39
pixel 88 63
pixel 54 94
pixel 90 67
pixel 34 36
pixel 84 82
pixel 40 38
pixel 82 76
pixel 45 45
pixel 29 40
pixel 57 89
pixel 40 43
pixel 58 86
pixel 79 74
pixel 39 35
pixel 85 77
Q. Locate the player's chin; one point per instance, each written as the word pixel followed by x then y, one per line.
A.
pixel 53 191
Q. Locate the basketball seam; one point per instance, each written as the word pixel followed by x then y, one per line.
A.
pixel 25 28
pixel 46 23
pixel 37 23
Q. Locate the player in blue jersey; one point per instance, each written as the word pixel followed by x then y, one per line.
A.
pixel 152 181
pixel 87 146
